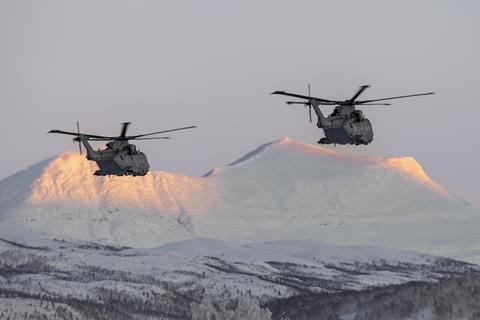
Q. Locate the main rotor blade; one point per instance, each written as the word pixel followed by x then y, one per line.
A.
pixel 95 139
pixel 391 98
pixel 154 138
pixel 76 134
pixel 98 139
pixel 297 102
pixel 149 134
pixel 124 129
pixel 306 104
pixel 79 142
pixel 359 92
pixel 376 104
pixel 320 100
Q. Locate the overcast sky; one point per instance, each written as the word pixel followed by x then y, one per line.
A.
pixel 163 64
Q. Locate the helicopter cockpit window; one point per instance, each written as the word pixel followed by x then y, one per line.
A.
pixel 357 116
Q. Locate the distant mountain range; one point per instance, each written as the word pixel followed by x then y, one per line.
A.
pixel 282 190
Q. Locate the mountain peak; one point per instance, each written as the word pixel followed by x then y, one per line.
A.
pixel 286 143
pixel 406 166
pixel 69 180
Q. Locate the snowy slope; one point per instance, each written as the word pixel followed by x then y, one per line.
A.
pixel 282 190
pixel 41 274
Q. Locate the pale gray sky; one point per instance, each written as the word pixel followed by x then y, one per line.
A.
pixel 163 64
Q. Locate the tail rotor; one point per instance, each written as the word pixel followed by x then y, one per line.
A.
pixel 306 104
pixel 309 104
pixel 78 139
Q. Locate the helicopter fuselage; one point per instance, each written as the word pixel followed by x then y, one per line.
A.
pixel 120 158
pixel 122 164
pixel 346 125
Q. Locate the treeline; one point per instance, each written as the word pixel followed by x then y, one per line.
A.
pixel 457 297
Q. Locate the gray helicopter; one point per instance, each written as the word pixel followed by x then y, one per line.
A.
pixel 120 158
pixel 346 125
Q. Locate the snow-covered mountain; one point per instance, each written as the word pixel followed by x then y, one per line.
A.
pixel 170 246
pixel 281 190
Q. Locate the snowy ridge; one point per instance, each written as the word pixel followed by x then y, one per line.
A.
pixel 250 155
pixel 258 151
pixel 282 190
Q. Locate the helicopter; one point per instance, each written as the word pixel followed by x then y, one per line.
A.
pixel 120 158
pixel 346 124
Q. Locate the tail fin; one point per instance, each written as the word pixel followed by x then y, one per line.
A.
pixel 322 120
pixel 91 154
